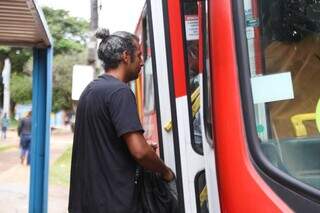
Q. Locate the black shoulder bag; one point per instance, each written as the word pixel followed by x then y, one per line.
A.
pixel 154 195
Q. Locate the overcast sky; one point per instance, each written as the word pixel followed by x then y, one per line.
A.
pixel 115 14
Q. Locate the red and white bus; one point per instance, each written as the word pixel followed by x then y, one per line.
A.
pixel 229 90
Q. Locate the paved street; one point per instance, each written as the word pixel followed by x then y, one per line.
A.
pixel 14 177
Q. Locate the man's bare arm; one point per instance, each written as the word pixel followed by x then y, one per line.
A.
pixel 144 154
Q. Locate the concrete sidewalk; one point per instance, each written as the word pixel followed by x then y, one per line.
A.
pixel 14 177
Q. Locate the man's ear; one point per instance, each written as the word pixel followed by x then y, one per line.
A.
pixel 126 57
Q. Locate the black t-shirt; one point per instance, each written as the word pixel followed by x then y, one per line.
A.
pixel 103 170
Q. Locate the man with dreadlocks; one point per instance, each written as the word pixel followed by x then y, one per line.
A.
pixel 108 139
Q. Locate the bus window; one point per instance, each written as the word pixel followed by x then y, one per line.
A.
pixel 284 51
pixel 196 43
pixel 192 35
pixel 149 110
pixel 148 84
pixel 201 192
pixel 207 100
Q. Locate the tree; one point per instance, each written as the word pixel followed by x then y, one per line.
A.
pixel 20 82
pixel 18 57
pixel 62 79
pixel 70 36
pixel 21 88
pixel 69 33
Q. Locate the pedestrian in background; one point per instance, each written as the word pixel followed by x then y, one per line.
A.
pixel 24 131
pixel 4 126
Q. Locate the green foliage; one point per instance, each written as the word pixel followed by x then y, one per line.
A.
pixel 65 45
pixel 62 79
pixel 4 51
pixel 13 123
pixel 69 33
pixel 70 36
pixel 18 57
pixel 60 170
pixel 5 147
pixel 21 88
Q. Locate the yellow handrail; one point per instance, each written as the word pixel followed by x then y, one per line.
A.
pixel 196 106
pixel 195 99
pixel 203 196
pixel 318 115
pixel 297 122
pixel 195 94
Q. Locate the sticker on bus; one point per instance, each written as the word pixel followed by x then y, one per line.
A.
pixel 269 88
pixel 192 27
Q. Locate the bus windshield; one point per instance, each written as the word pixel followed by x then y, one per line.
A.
pixel 284 51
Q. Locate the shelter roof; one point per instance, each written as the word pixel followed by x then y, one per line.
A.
pixel 22 23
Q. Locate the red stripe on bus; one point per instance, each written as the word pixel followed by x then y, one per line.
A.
pixel 177 50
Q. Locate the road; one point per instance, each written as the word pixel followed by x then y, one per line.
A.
pixel 14 177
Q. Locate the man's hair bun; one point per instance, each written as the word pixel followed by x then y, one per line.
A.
pixel 102 33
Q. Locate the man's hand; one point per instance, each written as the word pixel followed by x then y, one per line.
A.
pixel 153 145
pixel 168 176
pixel 145 155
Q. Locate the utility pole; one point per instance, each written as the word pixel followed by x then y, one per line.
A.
pixel 92 46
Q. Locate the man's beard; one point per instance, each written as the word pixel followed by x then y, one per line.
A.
pixel 133 76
